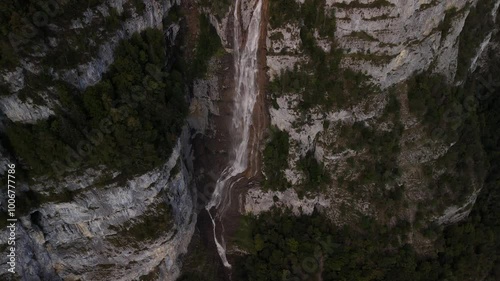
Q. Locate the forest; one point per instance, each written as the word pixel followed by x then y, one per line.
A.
pixel 128 122
pixel 282 246
pixel 286 247
pixel 27 26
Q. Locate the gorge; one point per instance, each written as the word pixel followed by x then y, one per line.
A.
pixel 252 139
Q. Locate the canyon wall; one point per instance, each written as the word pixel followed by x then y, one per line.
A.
pixel 389 42
pixel 91 225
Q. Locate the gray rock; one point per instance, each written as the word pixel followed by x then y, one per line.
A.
pixel 26 112
pixel 74 239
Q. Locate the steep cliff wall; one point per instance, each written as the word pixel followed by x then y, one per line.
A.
pixel 364 149
pixel 122 230
pixel 360 151
pixel 96 224
pixel 408 36
pixel 388 40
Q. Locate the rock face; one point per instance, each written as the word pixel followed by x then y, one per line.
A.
pixel 389 41
pixel 85 74
pixel 25 112
pixel 89 73
pixel 257 201
pixel 206 94
pixel 89 237
pixel 93 225
pixel 406 35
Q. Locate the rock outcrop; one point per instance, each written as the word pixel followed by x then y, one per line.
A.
pixel 390 41
pixel 25 112
pixel 399 38
pixel 85 74
pixel 89 73
pixel 91 230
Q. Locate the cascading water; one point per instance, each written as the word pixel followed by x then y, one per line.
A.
pixel 245 64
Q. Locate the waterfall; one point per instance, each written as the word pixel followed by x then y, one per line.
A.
pixel 246 92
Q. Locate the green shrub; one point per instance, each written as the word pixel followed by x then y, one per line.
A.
pixel 275 159
pixel 289 11
pixel 446 24
pixel 139 6
pixel 316 175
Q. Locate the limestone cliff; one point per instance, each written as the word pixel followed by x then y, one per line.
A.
pixel 95 224
pixel 100 232
pixel 366 153
pixel 80 74
pixel 390 42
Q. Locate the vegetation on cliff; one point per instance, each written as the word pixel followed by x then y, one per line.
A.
pixel 275 160
pixel 281 246
pixel 128 122
pixel 31 28
pixel 450 114
pixel 285 247
pixel 207 45
pixel 218 8
pixel 153 224
pixel 320 81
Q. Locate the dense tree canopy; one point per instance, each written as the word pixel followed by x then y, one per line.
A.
pixel 128 122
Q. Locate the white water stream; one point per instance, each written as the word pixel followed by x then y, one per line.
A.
pixel 246 91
